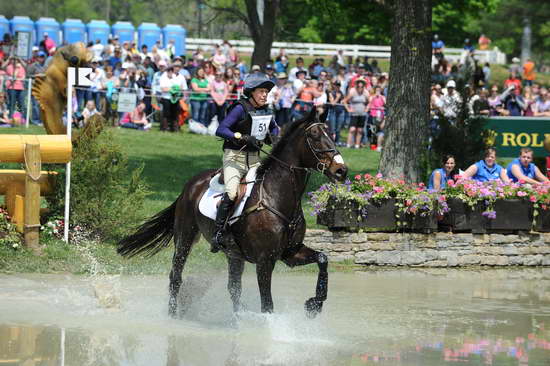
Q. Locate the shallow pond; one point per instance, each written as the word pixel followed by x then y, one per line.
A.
pixel 385 317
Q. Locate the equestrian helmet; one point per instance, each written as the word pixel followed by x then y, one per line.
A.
pixel 255 81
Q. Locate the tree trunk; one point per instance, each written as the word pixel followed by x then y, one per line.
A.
pixel 409 91
pixel 262 30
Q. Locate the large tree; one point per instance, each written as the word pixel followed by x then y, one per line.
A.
pixel 409 90
pixel 259 16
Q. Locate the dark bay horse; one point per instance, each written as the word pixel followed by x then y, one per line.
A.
pixel 272 227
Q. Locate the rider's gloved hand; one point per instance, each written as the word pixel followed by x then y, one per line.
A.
pixel 251 141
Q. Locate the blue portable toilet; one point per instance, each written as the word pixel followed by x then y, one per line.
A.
pixel 98 29
pixel 148 34
pixel 125 32
pixel 177 33
pixel 74 31
pixel 4 26
pixel 25 24
pixel 48 26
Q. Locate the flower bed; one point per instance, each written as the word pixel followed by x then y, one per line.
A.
pixel 464 205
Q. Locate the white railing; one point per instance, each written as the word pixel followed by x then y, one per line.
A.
pixel 322 49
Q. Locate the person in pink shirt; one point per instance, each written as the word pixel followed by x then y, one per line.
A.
pixel 15 84
pixel 219 91
pixel 47 44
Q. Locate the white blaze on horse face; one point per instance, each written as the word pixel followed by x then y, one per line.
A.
pixel 339 159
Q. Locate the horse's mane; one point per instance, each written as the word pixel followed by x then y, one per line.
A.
pixel 288 133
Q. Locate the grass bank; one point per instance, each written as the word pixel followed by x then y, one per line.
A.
pixel 169 161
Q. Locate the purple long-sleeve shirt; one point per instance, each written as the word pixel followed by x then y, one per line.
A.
pixel 237 114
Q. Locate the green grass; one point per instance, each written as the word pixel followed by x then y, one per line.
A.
pixel 169 161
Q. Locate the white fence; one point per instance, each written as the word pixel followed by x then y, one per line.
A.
pixel 321 49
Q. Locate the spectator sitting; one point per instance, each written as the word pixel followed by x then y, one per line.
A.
pixel 440 177
pixel 487 169
pixel 523 170
pixel 136 119
pixel 89 111
pixel 4 112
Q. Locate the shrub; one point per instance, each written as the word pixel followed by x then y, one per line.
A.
pixel 106 197
pixel 9 237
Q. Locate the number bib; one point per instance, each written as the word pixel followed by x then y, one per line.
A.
pixel 260 125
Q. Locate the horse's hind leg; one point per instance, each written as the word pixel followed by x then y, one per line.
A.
pixel 305 256
pixel 234 283
pixel 185 234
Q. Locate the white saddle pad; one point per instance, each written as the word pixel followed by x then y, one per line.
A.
pixel 208 205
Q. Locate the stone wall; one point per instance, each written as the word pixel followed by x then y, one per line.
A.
pixel 433 250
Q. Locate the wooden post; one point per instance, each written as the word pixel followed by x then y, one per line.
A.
pixel 32 195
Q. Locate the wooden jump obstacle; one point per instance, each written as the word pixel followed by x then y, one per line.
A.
pixel 22 188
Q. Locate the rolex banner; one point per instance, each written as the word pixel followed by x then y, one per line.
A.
pixel 509 134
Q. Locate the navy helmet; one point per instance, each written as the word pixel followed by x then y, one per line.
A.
pixel 255 81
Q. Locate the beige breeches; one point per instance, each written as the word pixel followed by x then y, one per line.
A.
pixel 235 166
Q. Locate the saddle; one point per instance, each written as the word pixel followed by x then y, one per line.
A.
pixel 240 192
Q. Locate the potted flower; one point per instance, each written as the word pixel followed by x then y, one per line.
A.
pixel 366 202
pixel 541 207
pixel 419 209
pixel 489 206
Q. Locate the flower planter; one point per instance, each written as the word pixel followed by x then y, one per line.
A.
pixel 458 217
pixel 542 221
pixel 511 216
pixel 342 214
pixel 416 223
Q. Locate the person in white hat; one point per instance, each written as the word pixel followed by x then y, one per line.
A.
pixel 449 104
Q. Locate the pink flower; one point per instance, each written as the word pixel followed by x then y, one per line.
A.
pixel 378 189
pixel 408 202
pixel 521 181
pixel 521 194
pixel 367 176
pixel 421 184
pixel 379 175
pixel 358 177
pixel 451 183
pixel 533 199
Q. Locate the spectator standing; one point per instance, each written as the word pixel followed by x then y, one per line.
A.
pixel 97 77
pixel 486 73
pixel 199 96
pixel 513 80
pixel 515 66
pixel 15 84
pixel 270 73
pixel 374 67
pixel 340 59
pixel 47 44
pixel 286 99
pixel 356 104
pixel 219 91
pixel 110 85
pixel 376 109
pixel 523 170
pixel 495 103
pixel 529 74
pixel 293 74
pixel 450 102
pixel 37 67
pixel 483 42
pixel 219 60
pixel 97 49
pixel 529 100
pixel 512 102
pixel 172 84
pixel 481 105
pixel 89 111
pixel 542 106
pixel 337 113
pixel 437 47
pixel 487 169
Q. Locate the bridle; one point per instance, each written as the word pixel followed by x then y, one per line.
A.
pixel 321 166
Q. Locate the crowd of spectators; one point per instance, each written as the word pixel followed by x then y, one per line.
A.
pixel 203 85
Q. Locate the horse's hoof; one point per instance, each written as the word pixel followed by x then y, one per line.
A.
pixel 172 307
pixel 313 307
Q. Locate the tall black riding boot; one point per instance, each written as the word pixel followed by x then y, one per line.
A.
pixel 222 215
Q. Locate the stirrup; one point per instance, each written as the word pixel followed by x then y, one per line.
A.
pixel 217 241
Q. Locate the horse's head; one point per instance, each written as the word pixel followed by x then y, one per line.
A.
pixel 320 151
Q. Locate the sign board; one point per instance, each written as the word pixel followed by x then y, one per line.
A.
pixel 126 102
pixel 509 134
pixel 79 76
pixel 24 44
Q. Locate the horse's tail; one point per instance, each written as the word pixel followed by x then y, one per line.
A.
pixel 152 236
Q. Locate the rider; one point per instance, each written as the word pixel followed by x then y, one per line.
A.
pixel 249 123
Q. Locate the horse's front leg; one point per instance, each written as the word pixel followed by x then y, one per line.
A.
pixel 234 283
pixel 264 271
pixel 305 256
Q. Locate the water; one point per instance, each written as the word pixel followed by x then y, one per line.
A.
pixel 384 317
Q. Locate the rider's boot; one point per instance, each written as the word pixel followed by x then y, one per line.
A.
pixel 224 210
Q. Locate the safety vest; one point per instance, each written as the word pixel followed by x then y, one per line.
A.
pixel 255 123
